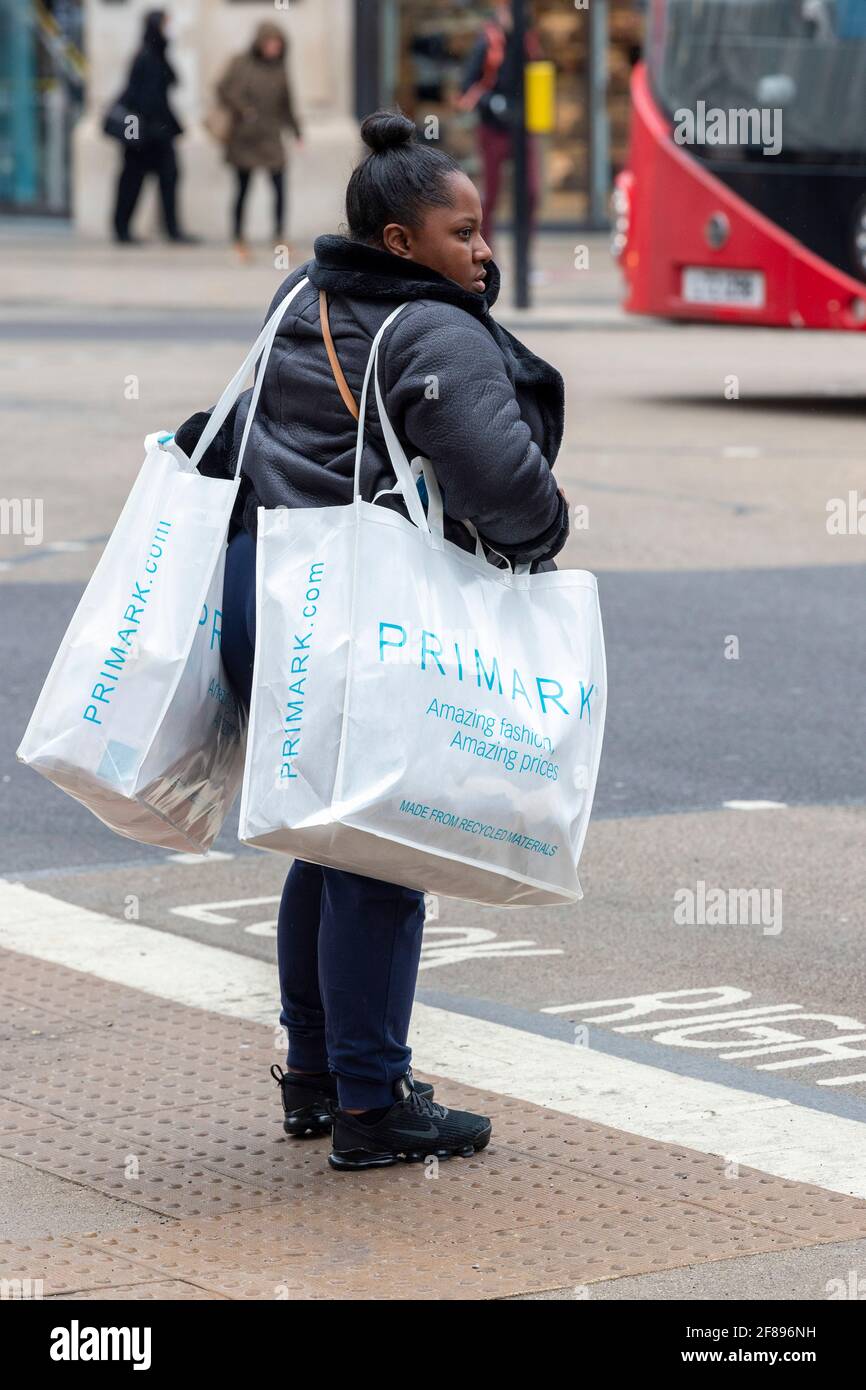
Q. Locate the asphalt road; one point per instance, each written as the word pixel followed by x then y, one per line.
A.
pixel 687 730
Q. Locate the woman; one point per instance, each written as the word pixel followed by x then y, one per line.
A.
pixel 488 413
pixel 256 92
pixel 148 146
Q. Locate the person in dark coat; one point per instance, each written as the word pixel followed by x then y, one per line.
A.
pixel 489 88
pixel 488 413
pixel 148 146
pixel 256 92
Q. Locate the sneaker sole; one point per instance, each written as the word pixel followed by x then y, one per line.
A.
pixel 355 1160
pixel 309 1123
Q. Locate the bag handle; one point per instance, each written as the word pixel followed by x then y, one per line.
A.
pixel 405 482
pixel 422 467
pixel 525 568
pixel 339 375
pixel 227 400
pixel 433 521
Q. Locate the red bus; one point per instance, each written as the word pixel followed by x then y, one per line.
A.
pixel 744 196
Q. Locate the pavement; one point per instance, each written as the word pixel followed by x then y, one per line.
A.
pixel 678 1109
pixel 149 1129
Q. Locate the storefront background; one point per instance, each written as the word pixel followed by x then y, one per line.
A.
pixel 61 62
pixel 42 76
pixel 424 45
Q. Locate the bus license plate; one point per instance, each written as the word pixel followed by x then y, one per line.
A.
pixel 702 285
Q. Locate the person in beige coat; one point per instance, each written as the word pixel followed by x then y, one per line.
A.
pixel 257 95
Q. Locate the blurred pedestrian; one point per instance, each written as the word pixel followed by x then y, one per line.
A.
pixel 348 945
pixel 143 120
pixel 490 86
pixel 256 90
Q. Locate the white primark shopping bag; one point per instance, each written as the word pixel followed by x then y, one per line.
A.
pixel 136 718
pixel 419 715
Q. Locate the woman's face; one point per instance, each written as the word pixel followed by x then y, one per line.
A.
pixel 449 239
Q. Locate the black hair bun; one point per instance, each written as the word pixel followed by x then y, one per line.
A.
pixel 387 130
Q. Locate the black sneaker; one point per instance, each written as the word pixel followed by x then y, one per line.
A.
pixel 310 1102
pixel 412 1129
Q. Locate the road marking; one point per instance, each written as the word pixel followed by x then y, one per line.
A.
pixel 454 945
pixel 51 548
pixel 760 1035
pixel 755 805
pixel 445 945
pixel 171 967
pixel 211 857
pixel 214 914
pixel 776 1136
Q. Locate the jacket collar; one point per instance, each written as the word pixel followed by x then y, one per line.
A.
pixel 343 266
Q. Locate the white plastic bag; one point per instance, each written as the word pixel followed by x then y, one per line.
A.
pixel 418 715
pixel 136 719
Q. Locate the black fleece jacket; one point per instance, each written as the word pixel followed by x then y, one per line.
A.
pixel 459 389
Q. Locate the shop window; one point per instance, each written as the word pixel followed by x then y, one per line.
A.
pixel 426 45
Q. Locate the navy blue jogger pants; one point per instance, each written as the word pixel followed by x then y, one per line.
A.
pixel 347 946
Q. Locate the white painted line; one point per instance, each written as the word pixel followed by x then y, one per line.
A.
pixel 210 858
pixel 755 805
pixel 213 914
pixel 760 1035
pixel 694 1020
pixel 789 1141
pixel 171 967
pixel 210 916
pixel 441 945
pixel 679 1001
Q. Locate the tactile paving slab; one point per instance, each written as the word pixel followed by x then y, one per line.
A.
pixel 710 1180
pixel 66 1266
pixel 161 1291
pixel 173 1109
pixel 103 1160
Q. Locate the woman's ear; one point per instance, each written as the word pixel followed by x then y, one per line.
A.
pixel 396 240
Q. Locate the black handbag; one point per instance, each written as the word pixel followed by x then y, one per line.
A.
pixel 117 119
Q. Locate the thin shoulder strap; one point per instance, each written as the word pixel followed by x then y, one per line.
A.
pixel 348 399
